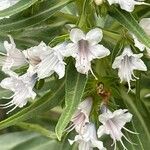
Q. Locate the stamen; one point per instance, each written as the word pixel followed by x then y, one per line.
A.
pixel 70 128
pixel 93 74
pixel 12 109
pixel 142 3
pixel 8 106
pixel 130 131
pixel 123 145
pixel 1 105
pixel 129 140
pixel 8 97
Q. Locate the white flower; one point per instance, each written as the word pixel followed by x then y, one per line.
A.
pixel 88 139
pixel 145 24
pixel 127 5
pixel 35 54
pixel 81 116
pixel 84 48
pixel 22 87
pixel 113 123
pixel 45 60
pixel 13 58
pixel 126 63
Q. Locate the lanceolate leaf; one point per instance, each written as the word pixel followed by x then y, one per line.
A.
pixel 45 103
pixel 128 21
pixel 18 7
pixel 14 23
pixel 74 88
pixel 27 141
pixel 140 122
pixel 37 128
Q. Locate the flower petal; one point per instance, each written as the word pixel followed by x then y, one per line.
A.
pixel 84 146
pixel 76 35
pixel 94 36
pixel 60 70
pixel 8 83
pixel 101 131
pixel 71 50
pixel 113 2
pixel 127 5
pixel 138 64
pixel 138 44
pixel 145 24
pixel 98 144
pixel 98 51
pixel 83 67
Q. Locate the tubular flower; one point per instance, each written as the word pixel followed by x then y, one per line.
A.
pixel 145 24
pixel 127 5
pixel 22 87
pixel 126 63
pixel 113 123
pixel 84 48
pixel 13 58
pixel 81 116
pixel 45 60
pixel 88 139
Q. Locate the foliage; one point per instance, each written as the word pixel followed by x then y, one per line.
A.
pixel 33 21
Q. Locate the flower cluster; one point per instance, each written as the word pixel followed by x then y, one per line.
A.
pixel 44 61
pixel 112 124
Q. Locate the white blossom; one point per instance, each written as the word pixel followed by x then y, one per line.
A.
pixel 81 116
pixel 22 87
pixel 88 139
pixel 45 60
pixel 84 48
pixel 126 63
pixel 127 5
pixel 113 123
pixel 145 24
pixel 13 58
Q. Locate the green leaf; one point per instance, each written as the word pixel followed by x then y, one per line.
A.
pixel 27 141
pixel 74 88
pixel 37 128
pixel 128 21
pixel 15 24
pixel 18 7
pixel 51 99
pixel 140 122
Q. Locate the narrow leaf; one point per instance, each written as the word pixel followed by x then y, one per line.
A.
pixel 18 7
pixel 15 24
pixel 128 21
pixel 74 88
pixel 37 128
